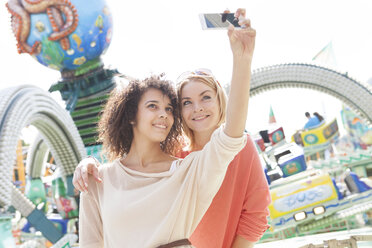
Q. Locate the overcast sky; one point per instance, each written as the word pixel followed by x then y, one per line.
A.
pixel 166 36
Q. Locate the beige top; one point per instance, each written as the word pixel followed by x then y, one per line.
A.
pixel 135 209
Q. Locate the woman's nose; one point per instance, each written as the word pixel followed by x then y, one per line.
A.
pixel 163 114
pixel 198 108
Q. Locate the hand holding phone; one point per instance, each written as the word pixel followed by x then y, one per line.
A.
pixel 218 20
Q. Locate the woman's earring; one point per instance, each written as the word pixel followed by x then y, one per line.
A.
pixel 132 122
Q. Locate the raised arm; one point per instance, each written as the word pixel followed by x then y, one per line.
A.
pixel 242 43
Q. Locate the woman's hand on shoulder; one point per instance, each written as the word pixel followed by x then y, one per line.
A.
pixel 242 40
pixel 86 166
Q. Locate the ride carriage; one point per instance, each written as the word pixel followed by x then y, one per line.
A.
pixel 318 140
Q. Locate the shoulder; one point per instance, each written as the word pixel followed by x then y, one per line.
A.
pixel 105 171
pixel 250 143
pixel 189 161
pixel 219 136
pixel 250 146
pixel 95 188
pixel 106 168
pixel 248 155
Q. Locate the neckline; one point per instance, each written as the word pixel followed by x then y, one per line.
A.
pixel 169 172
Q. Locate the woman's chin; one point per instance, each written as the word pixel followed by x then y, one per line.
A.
pixel 202 129
pixel 159 138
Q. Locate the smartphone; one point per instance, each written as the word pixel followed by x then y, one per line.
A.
pixel 218 20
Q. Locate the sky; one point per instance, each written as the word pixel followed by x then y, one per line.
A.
pixel 152 37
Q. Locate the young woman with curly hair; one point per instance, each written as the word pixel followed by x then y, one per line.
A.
pixel 118 123
pixel 134 204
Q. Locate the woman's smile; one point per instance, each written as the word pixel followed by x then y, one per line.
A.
pixel 161 126
pixel 200 117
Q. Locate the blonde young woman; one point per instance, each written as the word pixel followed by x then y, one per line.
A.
pixel 203 111
pixel 238 214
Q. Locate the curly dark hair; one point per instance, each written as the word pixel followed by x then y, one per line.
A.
pixel 115 130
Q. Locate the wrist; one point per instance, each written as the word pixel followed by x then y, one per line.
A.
pixel 246 64
pixel 243 58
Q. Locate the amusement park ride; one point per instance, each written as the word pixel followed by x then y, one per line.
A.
pixel 308 198
pixel 70 36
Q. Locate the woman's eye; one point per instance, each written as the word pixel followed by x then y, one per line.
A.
pixel 206 97
pixel 186 103
pixel 152 106
pixel 170 110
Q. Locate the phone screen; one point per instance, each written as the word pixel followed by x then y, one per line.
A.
pixel 218 20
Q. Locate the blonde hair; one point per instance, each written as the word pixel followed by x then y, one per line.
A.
pixel 210 81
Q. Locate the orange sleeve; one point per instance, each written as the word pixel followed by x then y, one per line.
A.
pixel 253 220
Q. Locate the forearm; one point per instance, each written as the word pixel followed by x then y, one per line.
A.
pixel 240 242
pixel 237 106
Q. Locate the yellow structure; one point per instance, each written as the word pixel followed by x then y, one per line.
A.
pixel 320 135
pixel 303 196
pixel 19 168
